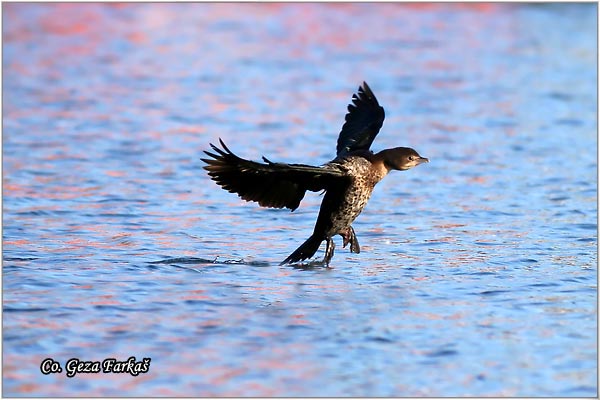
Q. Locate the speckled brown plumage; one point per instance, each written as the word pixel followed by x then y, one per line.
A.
pixel 348 180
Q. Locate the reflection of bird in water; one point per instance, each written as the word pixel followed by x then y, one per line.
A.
pixel 348 180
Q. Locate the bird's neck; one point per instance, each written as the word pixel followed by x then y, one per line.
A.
pixel 380 167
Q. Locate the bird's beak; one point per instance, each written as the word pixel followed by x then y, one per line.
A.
pixel 422 160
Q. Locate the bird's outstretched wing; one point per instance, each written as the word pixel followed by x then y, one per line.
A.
pixel 276 185
pixel 363 121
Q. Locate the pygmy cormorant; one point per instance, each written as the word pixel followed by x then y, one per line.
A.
pixel 348 180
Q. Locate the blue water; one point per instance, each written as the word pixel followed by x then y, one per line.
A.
pixel 478 271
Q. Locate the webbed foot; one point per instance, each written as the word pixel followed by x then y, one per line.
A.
pixel 350 237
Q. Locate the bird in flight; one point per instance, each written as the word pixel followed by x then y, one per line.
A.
pixel 347 180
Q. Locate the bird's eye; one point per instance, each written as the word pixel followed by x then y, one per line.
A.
pixel 411 158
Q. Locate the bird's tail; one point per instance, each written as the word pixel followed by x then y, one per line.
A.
pixel 306 250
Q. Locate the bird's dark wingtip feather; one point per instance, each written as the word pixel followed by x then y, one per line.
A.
pixel 368 93
pixel 208 153
pixel 224 146
pixel 362 122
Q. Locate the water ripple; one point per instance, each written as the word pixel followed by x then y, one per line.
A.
pixel 479 267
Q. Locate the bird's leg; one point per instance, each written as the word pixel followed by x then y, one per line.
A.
pixel 350 237
pixel 346 238
pixel 354 246
pixel 329 250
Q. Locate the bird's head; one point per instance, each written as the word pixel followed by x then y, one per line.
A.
pixel 401 158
